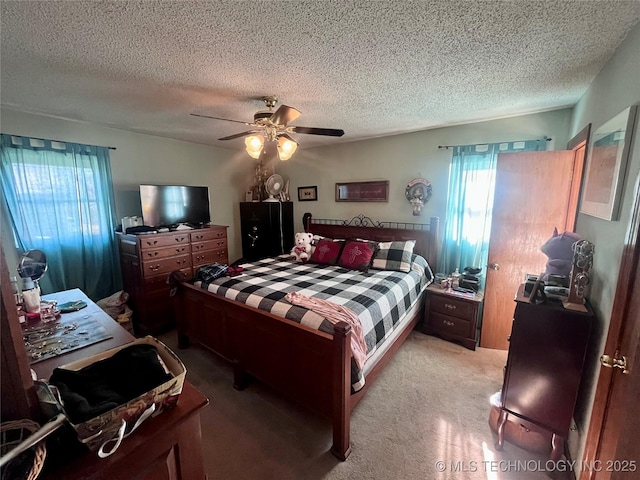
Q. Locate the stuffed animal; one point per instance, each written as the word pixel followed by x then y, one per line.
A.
pixel 301 251
pixel 559 249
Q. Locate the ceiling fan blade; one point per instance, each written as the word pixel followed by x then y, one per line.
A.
pixel 218 118
pixel 330 132
pixel 284 114
pixel 238 135
pixel 288 137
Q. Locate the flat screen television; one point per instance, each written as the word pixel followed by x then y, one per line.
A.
pixel 167 205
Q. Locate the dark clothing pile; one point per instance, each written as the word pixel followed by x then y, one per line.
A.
pixel 109 383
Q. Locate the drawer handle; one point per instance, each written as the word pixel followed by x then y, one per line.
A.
pixel 152 243
pixel 199 247
pixel 198 237
pixel 181 239
pixel 197 257
pixel 154 267
pixel 220 234
pixel 222 253
pixel 180 250
pixel 180 262
pixel 220 244
pixel 448 323
pixel 449 306
pixel 154 254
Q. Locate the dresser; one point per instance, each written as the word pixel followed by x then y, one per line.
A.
pixel 147 259
pixel 452 316
pixel 547 349
pixel 267 229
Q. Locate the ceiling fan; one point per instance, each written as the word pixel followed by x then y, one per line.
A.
pixel 270 127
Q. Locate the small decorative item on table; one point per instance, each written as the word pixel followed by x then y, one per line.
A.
pixel 49 311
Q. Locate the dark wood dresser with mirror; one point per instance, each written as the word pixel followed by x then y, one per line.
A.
pixel 547 350
pixel 147 259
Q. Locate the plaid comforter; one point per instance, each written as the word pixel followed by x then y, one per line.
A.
pixel 379 297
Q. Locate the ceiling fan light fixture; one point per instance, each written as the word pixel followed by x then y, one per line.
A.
pixel 286 148
pixel 253 145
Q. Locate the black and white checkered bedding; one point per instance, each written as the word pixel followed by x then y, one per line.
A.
pixel 379 297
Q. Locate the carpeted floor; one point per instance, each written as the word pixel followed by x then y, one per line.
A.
pixel 430 405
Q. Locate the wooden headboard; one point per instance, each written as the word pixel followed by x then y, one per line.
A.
pixel 425 234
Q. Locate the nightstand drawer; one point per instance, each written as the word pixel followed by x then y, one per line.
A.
pixel 452 306
pixel 450 325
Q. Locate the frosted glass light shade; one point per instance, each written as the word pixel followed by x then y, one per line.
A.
pixel 286 148
pixel 253 145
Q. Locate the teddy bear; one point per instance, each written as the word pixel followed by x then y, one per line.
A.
pixel 301 250
pixel 559 249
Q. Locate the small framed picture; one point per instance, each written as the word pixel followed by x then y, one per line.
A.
pixel 308 194
pixel 249 196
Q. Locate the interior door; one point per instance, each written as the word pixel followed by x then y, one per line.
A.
pixel 532 197
pixel 612 435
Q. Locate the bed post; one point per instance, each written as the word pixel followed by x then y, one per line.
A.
pixel 178 310
pixel 434 228
pixel 341 447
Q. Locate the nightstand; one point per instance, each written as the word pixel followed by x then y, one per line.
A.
pixel 453 316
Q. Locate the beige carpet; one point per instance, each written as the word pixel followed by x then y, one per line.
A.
pixel 431 404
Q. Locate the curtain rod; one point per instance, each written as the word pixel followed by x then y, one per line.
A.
pixel 58 141
pixel 546 139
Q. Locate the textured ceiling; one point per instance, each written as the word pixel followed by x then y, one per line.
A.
pixel 372 68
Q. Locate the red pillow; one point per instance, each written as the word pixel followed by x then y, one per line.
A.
pixel 327 252
pixel 357 255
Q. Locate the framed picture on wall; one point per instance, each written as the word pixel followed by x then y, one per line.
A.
pixel 606 166
pixel 377 191
pixel 308 194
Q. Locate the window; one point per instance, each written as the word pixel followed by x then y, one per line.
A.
pixel 59 198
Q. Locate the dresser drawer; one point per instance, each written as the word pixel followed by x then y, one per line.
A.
pixel 158 241
pixel 208 234
pixel 158 253
pixel 446 324
pixel 208 257
pixel 159 282
pixel 209 245
pixel 165 265
pixel 452 306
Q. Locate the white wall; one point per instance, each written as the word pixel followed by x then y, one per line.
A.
pixel 141 158
pixel 399 159
pixel 615 88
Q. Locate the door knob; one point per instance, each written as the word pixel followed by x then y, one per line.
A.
pixel 608 361
pixel 494 266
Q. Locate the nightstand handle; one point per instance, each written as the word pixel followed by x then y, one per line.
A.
pixel 449 306
pixel 448 323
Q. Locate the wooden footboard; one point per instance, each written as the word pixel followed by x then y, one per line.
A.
pixel 309 367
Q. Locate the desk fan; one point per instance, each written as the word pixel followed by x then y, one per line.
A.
pixel 273 186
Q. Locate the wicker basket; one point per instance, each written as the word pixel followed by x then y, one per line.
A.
pixel 28 464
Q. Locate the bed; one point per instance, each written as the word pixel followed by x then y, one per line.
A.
pixel 312 367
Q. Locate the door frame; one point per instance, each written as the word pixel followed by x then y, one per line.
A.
pixel 612 407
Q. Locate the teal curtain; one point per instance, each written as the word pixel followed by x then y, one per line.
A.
pixel 60 200
pixel 470 202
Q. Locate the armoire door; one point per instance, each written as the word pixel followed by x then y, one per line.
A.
pixel 532 197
